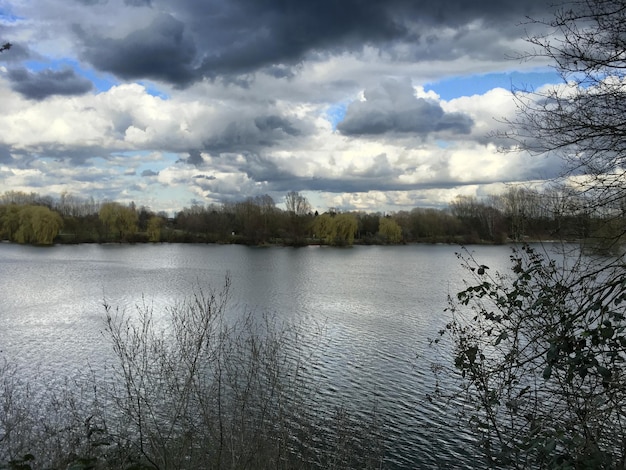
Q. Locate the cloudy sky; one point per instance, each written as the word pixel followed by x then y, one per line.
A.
pixel 357 104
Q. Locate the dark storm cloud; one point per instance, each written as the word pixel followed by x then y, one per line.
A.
pixel 41 85
pixel 268 32
pixel 258 168
pixel 193 40
pixel 148 173
pixel 195 158
pixel 138 3
pixel 393 108
pixel 72 155
pixel 348 184
pixel 273 123
pixel 379 176
pixel 161 51
pixel 16 54
pixel 5 154
pixel 263 169
pixel 381 168
pixel 92 2
pixel 249 135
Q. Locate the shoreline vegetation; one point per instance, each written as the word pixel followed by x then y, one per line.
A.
pixel 199 389
pixel 518 215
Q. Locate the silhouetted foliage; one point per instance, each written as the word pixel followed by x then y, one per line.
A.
pixel 540 352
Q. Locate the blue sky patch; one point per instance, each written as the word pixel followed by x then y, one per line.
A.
pixel 457 87
pixel 7 17
pixel 336 113
pixel 151 89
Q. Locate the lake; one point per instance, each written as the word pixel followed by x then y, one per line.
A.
pixel 379 307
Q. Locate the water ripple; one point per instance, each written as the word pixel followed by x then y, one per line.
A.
pixel 366 313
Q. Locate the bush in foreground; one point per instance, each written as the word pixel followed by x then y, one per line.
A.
pixel 197 389
pixel 540 354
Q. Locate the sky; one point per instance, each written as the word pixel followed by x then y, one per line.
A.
pixel 368 105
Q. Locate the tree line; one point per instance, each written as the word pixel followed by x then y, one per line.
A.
pixel 518 214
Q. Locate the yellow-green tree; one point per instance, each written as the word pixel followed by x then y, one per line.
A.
pixel 347 226
pixel 336 229
pixel 390 230
pixel 37 225
pixel 119 219
pixel 9 221
pixel 154 228
pixel 325 228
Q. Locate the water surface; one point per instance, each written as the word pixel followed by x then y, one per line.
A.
pixel 379 307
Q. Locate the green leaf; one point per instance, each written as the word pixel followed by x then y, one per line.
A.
pixel 604 372
pixel 547 372
pixel 504 335
pixel 607 332
pixel 471 354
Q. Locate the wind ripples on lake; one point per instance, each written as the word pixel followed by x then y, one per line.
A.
pixel 368 314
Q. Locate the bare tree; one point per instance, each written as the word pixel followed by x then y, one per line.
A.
pixel 297 203
pixel 299 209
pixel 582 119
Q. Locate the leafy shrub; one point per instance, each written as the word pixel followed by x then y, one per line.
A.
pixel 539 355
